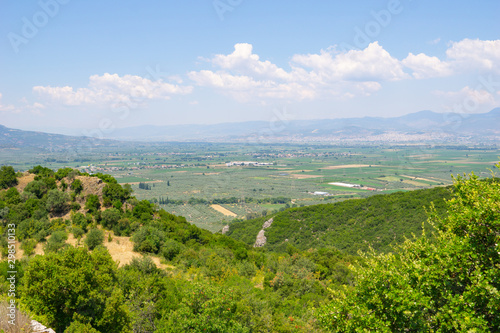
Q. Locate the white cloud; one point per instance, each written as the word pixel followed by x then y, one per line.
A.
pixel 7 108
pixel 111 88
pixel 475 54
pixel 244 76
pixel 468 100
pixel 371 64
pixel 243 61
pixel 425 67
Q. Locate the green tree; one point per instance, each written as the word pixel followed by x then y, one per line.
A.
pixel 7 177
pixel 57 202
pixel 205 308
pixel 95 237
pixel 56 241
pixel 78 327
pixel 75 285
pixel 447 284
pixel 77 186
pixel 92 204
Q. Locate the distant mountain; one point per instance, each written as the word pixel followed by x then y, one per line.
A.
pixel 14 138
pixel 415 126
pixel 423 126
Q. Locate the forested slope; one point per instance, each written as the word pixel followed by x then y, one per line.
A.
pixel 350 225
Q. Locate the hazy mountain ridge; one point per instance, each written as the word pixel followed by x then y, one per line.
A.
pixel 423 122
pixel 419 127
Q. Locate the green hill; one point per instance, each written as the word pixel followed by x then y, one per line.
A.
pixel 350 225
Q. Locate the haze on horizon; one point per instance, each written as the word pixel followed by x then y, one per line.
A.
pixel 84 65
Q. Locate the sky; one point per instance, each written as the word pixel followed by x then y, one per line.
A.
pixel 73 66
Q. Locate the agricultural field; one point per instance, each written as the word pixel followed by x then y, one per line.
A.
pixel 192 179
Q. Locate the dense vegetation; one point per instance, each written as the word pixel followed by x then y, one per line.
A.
pixel 446 284
pixel 214 283
pixel 201 291
pixel 378 221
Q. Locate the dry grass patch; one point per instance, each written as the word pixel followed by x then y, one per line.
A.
pixel 223 210
pixel 348 166
pixel 24 180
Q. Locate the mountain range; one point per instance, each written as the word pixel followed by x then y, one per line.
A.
pixel 423 126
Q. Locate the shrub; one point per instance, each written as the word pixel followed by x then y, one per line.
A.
pixel 95 237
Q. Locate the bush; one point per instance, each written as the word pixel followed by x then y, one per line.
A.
pixel 77 327
pixel 92 204
pixel 56 242
pixel 148 239
pixel 95 237
pixel 77 186
pixel 110 217
pixel 7 177
pixel 57 202
pixel 80 220
pixel 170 249
pixel 78 232
pixel 28 246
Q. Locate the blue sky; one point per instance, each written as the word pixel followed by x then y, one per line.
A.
pixel 109 64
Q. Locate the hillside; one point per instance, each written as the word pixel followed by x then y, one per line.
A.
pixel 350 225
pixel 15 138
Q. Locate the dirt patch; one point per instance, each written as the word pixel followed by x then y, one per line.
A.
pixel 223 210
pixel 303 176
pixel 92 185
pixel 420 178
pixel 348 166
pixel 207 173
pixel 24 180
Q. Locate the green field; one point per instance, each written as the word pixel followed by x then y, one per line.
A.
pixel 198 171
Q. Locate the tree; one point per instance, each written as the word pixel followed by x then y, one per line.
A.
pixel 95 237
pixel 7 177
pixel 57 202
pixel 92 204
pixel 76 285
pixel 56 242
pixel 77 186
pixel 448 284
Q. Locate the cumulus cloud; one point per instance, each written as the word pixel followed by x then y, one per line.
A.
pixel 468 99
pixel 371 64
pixel 243 75
pixel 475 54
pixel 424 66
pixel 112 89
pixel 465 56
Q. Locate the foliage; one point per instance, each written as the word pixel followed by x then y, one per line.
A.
pixel 95 237
pixel 7 177
pixel 351 225
pixel 57 202
pixel 78 327
pixel 77 186
pixel 92 204
pixel 206 309
pixel 56 242
pixel 77 285
pixel 446 284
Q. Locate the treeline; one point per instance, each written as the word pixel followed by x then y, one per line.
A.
pixel 145 186
pixel 221 201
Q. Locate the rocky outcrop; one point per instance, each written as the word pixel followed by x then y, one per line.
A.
pixel 225 229
pixel 261 238
pixel 39 328
pixel 267 224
